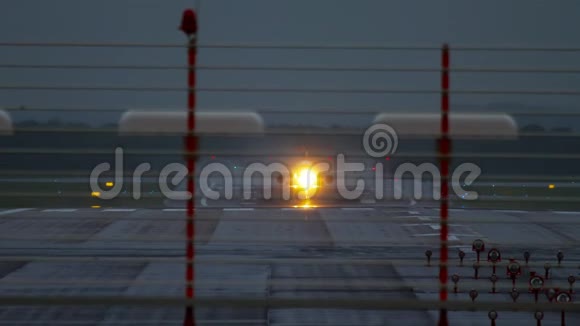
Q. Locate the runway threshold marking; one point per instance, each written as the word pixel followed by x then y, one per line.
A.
pixel 16 210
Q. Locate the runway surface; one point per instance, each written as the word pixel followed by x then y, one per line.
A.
pixel 320 254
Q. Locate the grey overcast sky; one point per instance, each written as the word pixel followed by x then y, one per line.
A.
pixel 492 22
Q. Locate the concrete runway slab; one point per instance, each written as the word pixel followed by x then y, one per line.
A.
pixel 316 254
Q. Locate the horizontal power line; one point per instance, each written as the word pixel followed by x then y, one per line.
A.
pixel 570 92
pixel 325 111
pixel 300 46
pixel 298 68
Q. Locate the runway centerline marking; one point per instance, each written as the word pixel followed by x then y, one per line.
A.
pixel 238 209
pixel 174 209
pixel 357 209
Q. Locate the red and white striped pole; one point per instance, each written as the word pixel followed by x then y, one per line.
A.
pixel 444 151
pixel 189 27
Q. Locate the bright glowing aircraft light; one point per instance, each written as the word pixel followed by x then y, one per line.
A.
pixel 305 182
pixel 551 186
pixel 306 179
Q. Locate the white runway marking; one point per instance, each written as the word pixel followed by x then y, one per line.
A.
pixel 435 226
pixel 453 209
pixel 413 212
pixel 405 216
pixel 174 209
pixel 508 211
pixel 17 210
pixel 450 237
pixel 566 212
pixel 451 234
pixel 358 209
pixel 119 210
pixel 60 210
pixel 421 218
pixel 237 209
